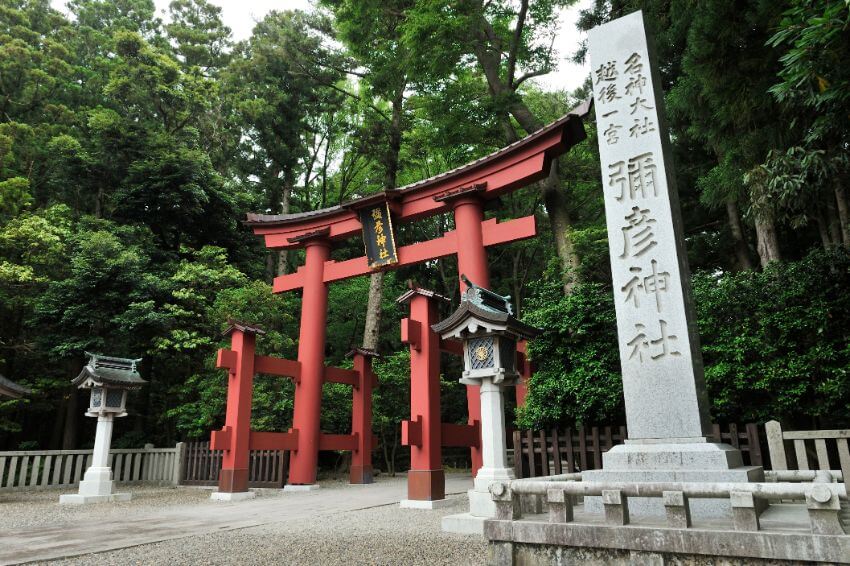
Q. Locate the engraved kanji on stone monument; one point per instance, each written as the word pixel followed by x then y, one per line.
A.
pixel 659 345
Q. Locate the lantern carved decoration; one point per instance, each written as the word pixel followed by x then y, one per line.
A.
pixel 485 323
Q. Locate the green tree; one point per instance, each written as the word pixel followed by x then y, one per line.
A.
pixel 816 87
pixel 511 44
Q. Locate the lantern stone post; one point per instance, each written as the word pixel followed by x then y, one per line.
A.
pixel 109 379
pixel 485 324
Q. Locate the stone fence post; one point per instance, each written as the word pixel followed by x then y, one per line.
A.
pixel 775 445
pixel 179 457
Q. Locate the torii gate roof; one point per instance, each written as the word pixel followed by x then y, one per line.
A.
pixel 502 171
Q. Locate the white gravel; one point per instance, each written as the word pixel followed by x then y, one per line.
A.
pixel 27 509
pixel 385 535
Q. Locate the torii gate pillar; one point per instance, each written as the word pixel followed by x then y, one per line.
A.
pixel 233 478
pixel 361 417
pixel 426 480
pixel 311 355
pixel 468 211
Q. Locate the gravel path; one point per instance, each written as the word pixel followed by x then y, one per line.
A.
pixel 377 536
pixel 27 509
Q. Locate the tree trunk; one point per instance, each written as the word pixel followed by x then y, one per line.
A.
pixel 554 200
pixel 559 218
pixel 56 435
pixel 285 200
pixel 742 250
pixel 98 203
pixel 395 447
pixel 822 230
pixel 385 450
pixel 768 242
pixel 372 325
pixel 69 436
pixel 834 224
pixel 843 213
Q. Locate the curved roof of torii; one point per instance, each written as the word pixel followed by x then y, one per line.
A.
pixel 11 389
pixel 509 168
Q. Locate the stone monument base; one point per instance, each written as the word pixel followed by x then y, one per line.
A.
pixel 671 461
pixel 232 496
pixel 784 537
pixel 424 504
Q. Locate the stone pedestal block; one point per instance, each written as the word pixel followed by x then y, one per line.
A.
pixel 96 487
pixel 77 499
pixel 672 462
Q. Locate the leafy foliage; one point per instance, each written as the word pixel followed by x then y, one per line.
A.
pixel 775 344
pixel 132 145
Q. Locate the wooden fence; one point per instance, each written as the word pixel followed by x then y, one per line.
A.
pixel 266 468
pixel 826 443
pixel 33 469
pixel 575 450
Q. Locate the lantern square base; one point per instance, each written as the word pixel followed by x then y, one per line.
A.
pixel 78 499
pixel 232 496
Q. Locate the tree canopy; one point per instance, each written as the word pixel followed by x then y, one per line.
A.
pixel 133 142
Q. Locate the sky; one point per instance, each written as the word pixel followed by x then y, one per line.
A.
pixel 241 15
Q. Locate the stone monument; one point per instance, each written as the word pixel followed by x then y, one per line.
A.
pixel 663 384
pixel 489 332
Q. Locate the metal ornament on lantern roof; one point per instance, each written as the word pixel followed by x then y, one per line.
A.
pixel 484 321
pixel 109 379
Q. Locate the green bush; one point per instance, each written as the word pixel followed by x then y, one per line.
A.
pixel 775 344
pixel 577 377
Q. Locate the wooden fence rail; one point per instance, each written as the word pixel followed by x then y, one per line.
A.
pixel 33 469
pixel 266 468
pixel 541 453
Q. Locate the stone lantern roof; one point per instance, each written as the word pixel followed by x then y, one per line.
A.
pixel 11 389
pixel 482 309
pixel 120 373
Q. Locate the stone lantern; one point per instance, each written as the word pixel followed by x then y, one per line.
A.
pixel 485 324
pixel 109 380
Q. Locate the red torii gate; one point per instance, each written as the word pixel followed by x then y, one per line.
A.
pixel 463 191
